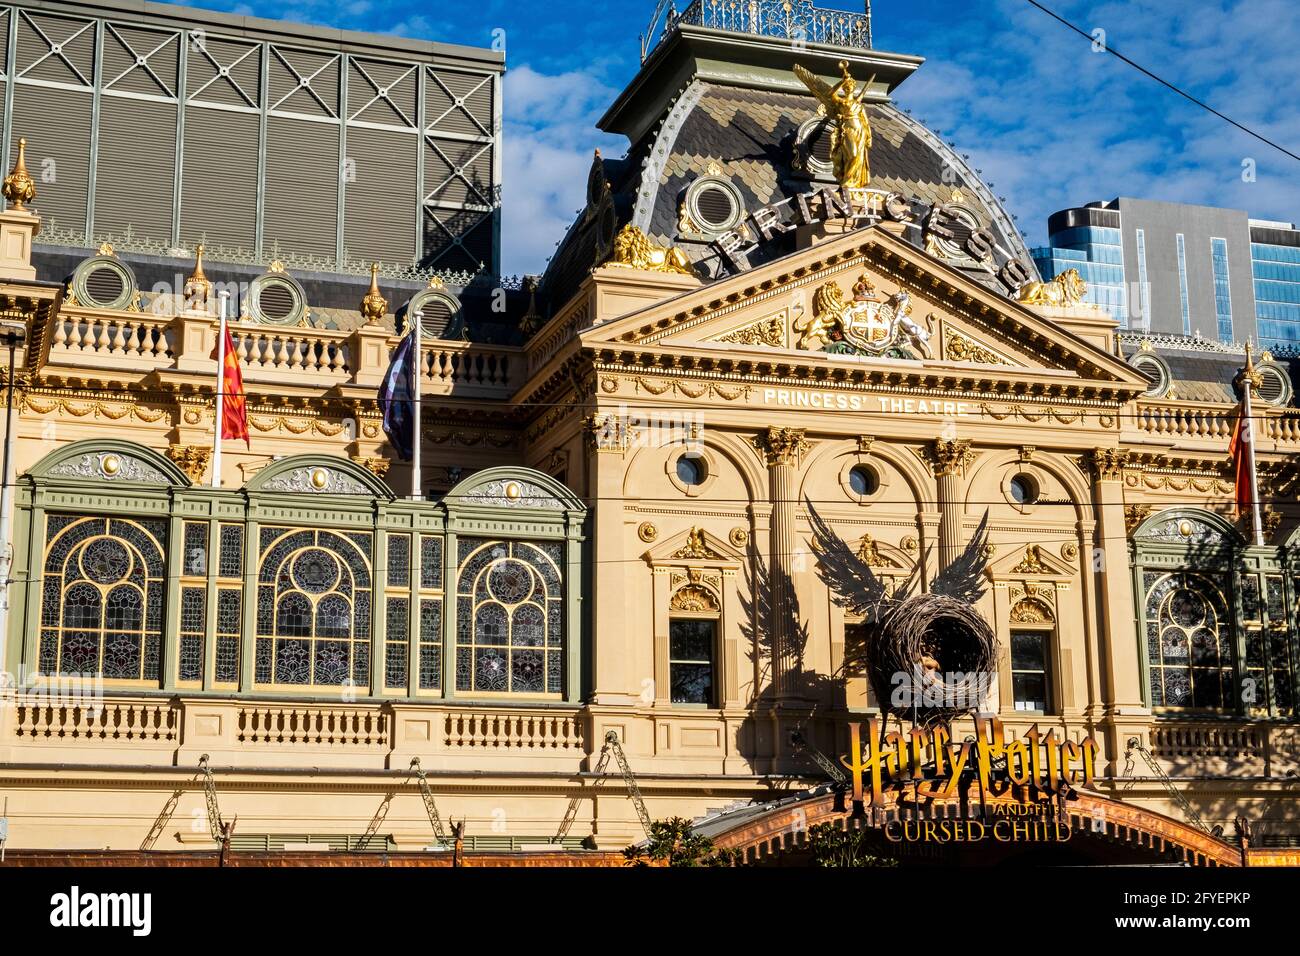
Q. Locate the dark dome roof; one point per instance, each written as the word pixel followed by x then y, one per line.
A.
pixel 747 137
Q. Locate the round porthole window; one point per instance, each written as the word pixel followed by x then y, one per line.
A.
pixel 1023 489
pixel 1275 385
pixel 714 205
pixel 276 299
pixel 1155 370
pixel 691 471
pixel 863 480
pixel 103 282
pixel 441 314
pixel 812 147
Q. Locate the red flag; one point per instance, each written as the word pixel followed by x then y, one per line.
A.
pixel 1240 455
pixel 234 413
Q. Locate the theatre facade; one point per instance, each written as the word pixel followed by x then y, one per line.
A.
pixel 613 535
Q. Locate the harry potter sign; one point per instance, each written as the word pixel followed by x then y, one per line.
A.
pixel 1044 761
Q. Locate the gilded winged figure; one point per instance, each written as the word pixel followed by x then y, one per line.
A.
pixel 851 128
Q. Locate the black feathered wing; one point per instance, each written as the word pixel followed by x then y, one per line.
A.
pixel 851 581
pixel 964 580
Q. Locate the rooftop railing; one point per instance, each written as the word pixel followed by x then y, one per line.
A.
pixel 796 20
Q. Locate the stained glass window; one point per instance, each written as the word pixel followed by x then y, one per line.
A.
pixel 313 614
pixel 395 638
pixel 509 616
pixel 1270 670
pixel 193 626
pixel 1189 642
pixel 102 597
pixel 230 605
pixel 230 557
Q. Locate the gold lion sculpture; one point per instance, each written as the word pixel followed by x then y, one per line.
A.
pixel 634 250
pixel 816 329
pixel 1065 290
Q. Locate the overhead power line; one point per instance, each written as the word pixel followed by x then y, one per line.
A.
pixel 1163 82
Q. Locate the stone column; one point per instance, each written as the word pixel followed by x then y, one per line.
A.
pixel 1123 713
pixel 1121 663
pixel 782 449
pixel 950 458
pixel 607 439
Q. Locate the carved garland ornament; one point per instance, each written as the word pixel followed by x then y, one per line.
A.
pixel 959 348
pixel 769 332
pixel 109 466
pixel 316 480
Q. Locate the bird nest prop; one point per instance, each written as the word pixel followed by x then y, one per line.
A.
pixel 930 656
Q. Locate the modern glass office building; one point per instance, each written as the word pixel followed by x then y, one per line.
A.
pixel 1090 241
pixel 1176 269
pixel 1275 267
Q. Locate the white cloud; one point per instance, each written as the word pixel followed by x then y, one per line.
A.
pixel 550 133
pixel 1055 124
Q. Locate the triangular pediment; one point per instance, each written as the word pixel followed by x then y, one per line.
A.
pixel 864 298
pixel 1031 561
pixel 695 546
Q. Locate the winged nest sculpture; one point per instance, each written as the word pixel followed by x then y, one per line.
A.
pixel 927 637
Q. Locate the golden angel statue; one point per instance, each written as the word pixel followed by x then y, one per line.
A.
pixel 851 130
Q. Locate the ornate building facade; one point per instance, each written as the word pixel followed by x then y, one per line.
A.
pixel 614 529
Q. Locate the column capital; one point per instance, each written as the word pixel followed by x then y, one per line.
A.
pixel 608 433
pixel 1107 464
pixel 782 446
pixel 949 456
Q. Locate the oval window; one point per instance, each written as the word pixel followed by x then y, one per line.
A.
pixel 863 480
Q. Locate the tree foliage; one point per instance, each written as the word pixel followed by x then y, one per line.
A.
pixel 674 842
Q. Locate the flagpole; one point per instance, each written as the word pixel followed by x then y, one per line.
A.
pixel 223 297
pixel 1247 383
pixel 416 491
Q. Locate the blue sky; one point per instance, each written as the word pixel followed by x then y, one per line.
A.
pixel 1051 123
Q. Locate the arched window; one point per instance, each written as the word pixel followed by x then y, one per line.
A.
pixel 313 608
pixel 509 630
pixel 102 597
pixel 1189 642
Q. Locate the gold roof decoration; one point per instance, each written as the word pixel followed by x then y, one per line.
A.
pixel 633 249
pixel 275 266
pixel 435 282
pixel 1066 290
pixel 373 305
pixel 106 249
pixel 1146 346
pixel 19 187
pixel 1250 374
pixel 198 289
pixel 851 127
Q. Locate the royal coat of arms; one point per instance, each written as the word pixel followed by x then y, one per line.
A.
pixel 866 325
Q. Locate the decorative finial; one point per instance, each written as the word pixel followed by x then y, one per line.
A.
pixel 19 187
pixel 373 304
pixel 197 289
pixel 1250 378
